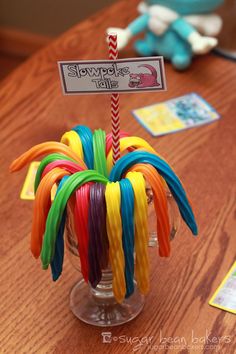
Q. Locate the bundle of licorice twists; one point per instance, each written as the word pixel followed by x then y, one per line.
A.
pixel 108 203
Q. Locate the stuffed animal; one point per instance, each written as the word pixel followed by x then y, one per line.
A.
pixel 176 29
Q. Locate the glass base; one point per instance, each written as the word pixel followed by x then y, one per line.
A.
pixel 98 306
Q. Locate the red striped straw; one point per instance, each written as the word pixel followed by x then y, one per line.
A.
pixel 115 117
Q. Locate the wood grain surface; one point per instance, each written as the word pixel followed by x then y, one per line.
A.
pixel 8 63
pixel 35 316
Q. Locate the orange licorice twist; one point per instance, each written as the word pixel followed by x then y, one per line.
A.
pixel 41 208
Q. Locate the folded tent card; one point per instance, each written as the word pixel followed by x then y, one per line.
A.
pixel 225 296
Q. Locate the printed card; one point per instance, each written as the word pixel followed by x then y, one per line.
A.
pixel 176 114
pixel 112 76
pixel 27 192
pixel 225 296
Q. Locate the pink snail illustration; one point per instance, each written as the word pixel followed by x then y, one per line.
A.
pixel 142 80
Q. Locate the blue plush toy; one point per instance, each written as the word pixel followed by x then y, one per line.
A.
pixel 176 29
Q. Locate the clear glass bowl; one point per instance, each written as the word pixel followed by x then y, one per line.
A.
pixel 98 306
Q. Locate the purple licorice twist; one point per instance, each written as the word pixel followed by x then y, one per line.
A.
pixel 100 205
pixel 98 240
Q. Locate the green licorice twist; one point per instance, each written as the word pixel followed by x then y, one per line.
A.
pixel 99 150
pixel 57 209
pixel 48 159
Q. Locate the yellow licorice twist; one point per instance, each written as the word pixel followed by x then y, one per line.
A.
pixel 126 143
pixel 72 139
pixel 114 232
pixel 141 230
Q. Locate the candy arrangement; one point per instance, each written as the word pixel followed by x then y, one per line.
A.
pixel 108 203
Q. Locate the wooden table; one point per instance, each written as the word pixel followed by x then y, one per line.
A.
pixel 35 316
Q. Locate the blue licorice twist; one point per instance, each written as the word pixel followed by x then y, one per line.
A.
pixel 86 137
pixel 127 214
pixel 58 258
pixel 173 182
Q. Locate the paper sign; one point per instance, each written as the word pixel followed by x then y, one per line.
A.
pixel 176 114
pixel 111 76
pixel 225 296
pixel 27 192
